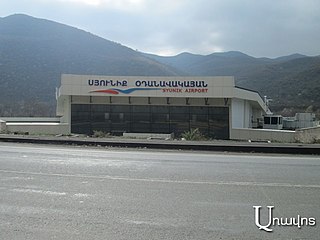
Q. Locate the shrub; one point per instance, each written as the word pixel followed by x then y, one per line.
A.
pixel 100 134
pixel 193 135
pixel 316 141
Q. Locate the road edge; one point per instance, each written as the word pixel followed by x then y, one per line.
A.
pixel 242 147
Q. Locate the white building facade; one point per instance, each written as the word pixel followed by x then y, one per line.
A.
pixel 118 104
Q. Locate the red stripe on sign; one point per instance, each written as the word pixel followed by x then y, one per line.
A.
pixel 107 91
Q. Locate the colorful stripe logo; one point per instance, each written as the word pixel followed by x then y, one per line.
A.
pixel 124 91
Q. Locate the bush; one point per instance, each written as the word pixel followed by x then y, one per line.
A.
pixel 316 141
pixel 193 135
pixel 100 134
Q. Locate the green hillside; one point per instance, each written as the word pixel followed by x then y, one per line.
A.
pixel 34 52
pixel 293 82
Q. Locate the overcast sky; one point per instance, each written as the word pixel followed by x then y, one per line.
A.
pixel 261 28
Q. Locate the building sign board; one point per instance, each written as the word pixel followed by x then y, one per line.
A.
pixel 141 86
pixel 167 86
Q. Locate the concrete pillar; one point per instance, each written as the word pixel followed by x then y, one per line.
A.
pixel 3 126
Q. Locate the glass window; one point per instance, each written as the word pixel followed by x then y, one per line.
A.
pixel 274 120
pixel 266 120
pixel 141 109
pixel 179 127
pixel 80 107
pixel 159 109
pixel 140 127
pixel 175 117
pixel 119 108
pixel 82 116
pixel 218 111
pixel 97 116
pixel 115 117
pixel 121 116
pixel 199 110
pixel 183 110
pixel 98 108
pixel 140 117
pixel 160 117
pixel 160 127
pixel 202 118
pixel 212 121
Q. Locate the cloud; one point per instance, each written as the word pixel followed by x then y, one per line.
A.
pixel 259 28
pixel 123 5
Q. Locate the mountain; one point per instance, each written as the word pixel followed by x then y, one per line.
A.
pixel 34 52
pixel 290 57
pixel 293 82
pixel 221 63
pixel 182 61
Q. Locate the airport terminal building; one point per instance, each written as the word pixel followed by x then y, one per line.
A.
pixel 133 104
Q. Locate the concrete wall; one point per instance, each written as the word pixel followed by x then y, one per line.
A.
pixel 308 135
pixel 34 125
pixel 300 120
pixel 3 126
pixel 262 135
pixel 39 128
pixel 31 119
pixel 252 97
pixel 237 113
pixel 149 135
pixel 241 113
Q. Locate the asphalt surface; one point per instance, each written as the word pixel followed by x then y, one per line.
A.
pixel 61 192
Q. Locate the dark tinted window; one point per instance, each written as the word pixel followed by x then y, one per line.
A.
pixel 266 120
pixel 211 121
pixel 274 120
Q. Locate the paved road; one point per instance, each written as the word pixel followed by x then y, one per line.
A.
pixel 57 192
